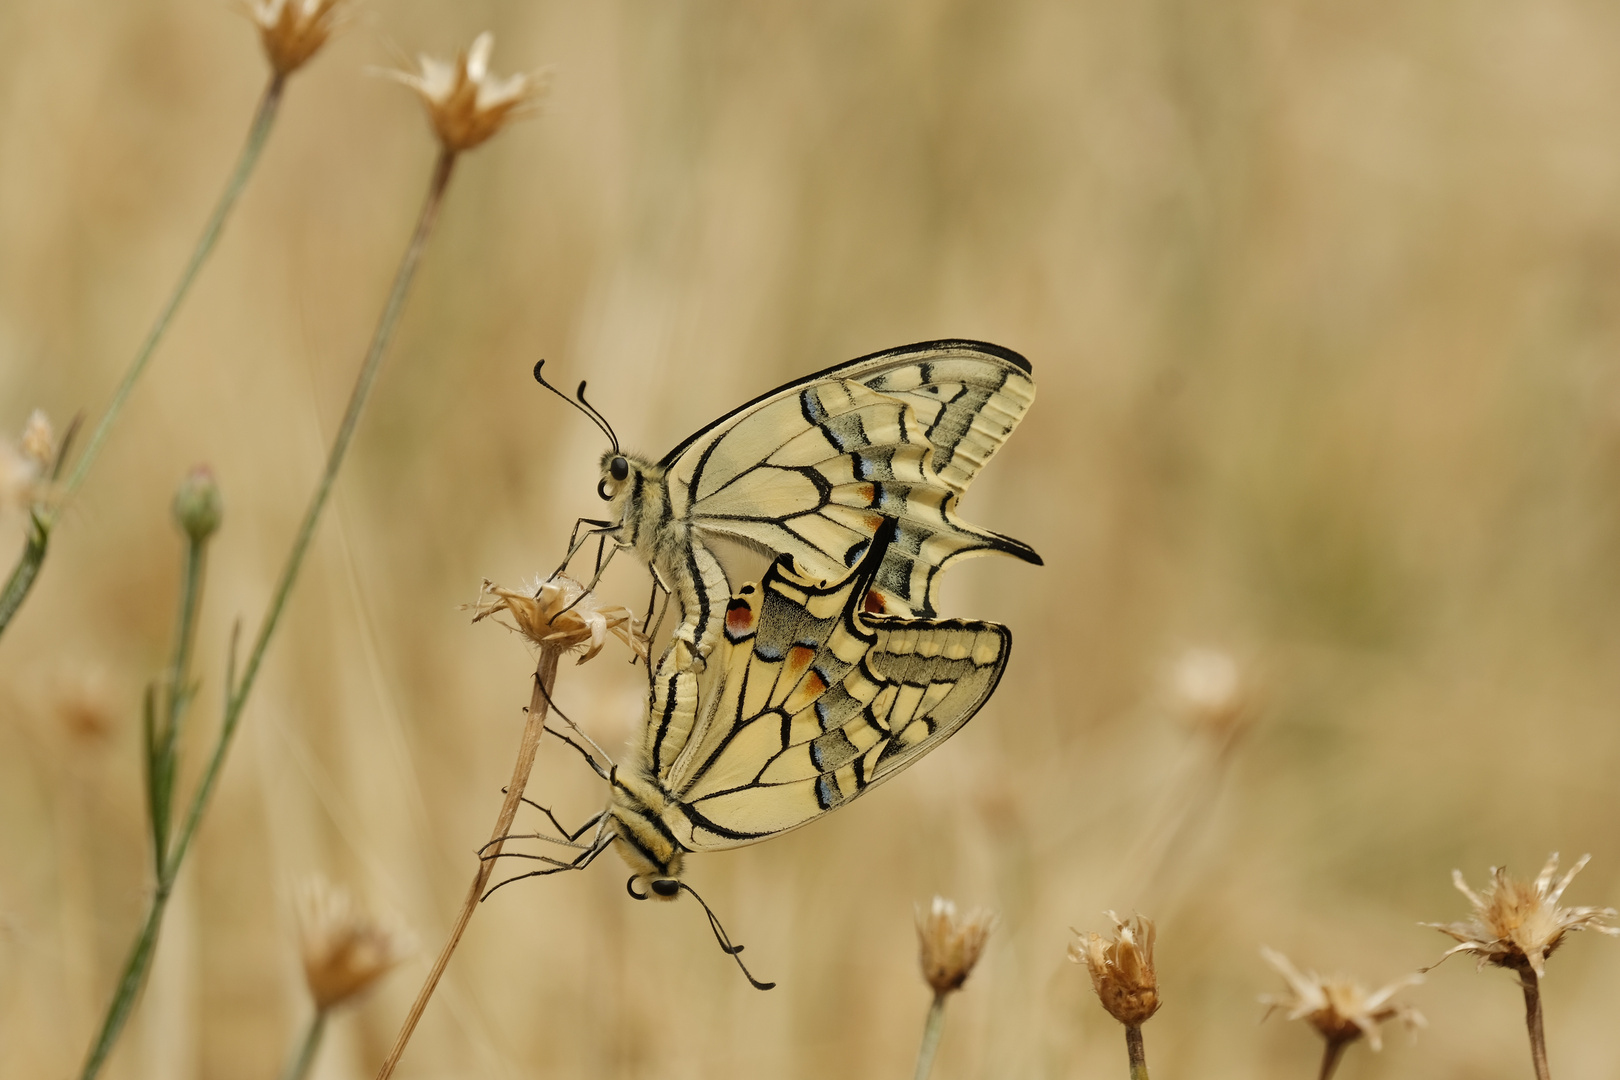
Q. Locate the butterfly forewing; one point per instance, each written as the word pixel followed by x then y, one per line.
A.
pixel 967 402
pixel 816 472
pixel 897 434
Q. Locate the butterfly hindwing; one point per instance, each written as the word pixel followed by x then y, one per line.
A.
pixel 815 700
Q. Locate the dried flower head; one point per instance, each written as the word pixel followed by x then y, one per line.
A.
pixel 558 613
pixel 345 950
pixel 38 442
pixel 1338 1007
pixel 465 102
pixel 949 943
pixel 25 468
pixel 1122 968
pixel 1517 924
pixel 1209 689
pixel 292 31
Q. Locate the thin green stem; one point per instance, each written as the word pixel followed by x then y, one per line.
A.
pixel 177 695
pixel 129 983
pixel 263 118
pixel 237 695
pixel 28 565
pixel 298 1065
pixel 22 576
pixel 1133 1047
pixel 933 1028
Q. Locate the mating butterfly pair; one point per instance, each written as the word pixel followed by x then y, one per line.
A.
pixel 781 701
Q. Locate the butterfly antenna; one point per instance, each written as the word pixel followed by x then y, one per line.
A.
pixel 725 942
pixel 590 413
pixel 601 421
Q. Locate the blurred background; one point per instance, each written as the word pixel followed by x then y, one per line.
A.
pixel 1323 305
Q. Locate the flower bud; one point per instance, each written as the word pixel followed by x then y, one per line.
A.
pixel 198 506
pixel 950 942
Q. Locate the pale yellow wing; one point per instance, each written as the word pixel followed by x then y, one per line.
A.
pixel 815 701
pixel 813 468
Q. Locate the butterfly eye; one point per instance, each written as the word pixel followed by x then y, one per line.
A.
pixel 665 886
pixel 602 490
pixel 618 468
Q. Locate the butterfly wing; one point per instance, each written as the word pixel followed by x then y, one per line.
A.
pixel 813 468
pixel 816 701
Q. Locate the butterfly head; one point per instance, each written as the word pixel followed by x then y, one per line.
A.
pixel 621 473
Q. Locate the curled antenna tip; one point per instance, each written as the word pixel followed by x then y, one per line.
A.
pixel 538 364
pixel 724 941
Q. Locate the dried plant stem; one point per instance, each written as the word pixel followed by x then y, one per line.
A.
pixel 545 678
pixel 1332 1051
pixel 933 1028
pixel 298 1066
pixel 1532 1021
pixel 1133 1048
pixel 43 519
pixel 237 691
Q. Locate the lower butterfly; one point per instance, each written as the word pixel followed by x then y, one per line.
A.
pixel 813 702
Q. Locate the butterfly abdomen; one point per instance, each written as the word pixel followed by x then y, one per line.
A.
pixel 643 838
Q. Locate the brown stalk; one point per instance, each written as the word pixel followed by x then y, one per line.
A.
pixel 1532 1021
pixel 1134 1050
pixel 545 678
pixel 1332 1051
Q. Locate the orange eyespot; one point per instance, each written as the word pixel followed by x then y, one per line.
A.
pixel 739 619
pixel 874 604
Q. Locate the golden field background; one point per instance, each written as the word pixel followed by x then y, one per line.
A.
pixel 1323 305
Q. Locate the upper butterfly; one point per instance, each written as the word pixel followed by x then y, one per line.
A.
pixel 813 468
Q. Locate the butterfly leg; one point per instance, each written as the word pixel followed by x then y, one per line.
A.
pixel 564 837
pixel 601 565
pixel 649 626
pixel 575 541
pixel 579 862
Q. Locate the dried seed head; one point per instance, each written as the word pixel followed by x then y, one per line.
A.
pixel 465 102
pixel 38 443
pixel 1339 1008
pixel 344 949
pixel 949 943
pixel 25 468
pixel 1517 924
pixel 198 506
pixel 292 31
pixel 1210 691
pixel 559 614
pixel 1122 968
